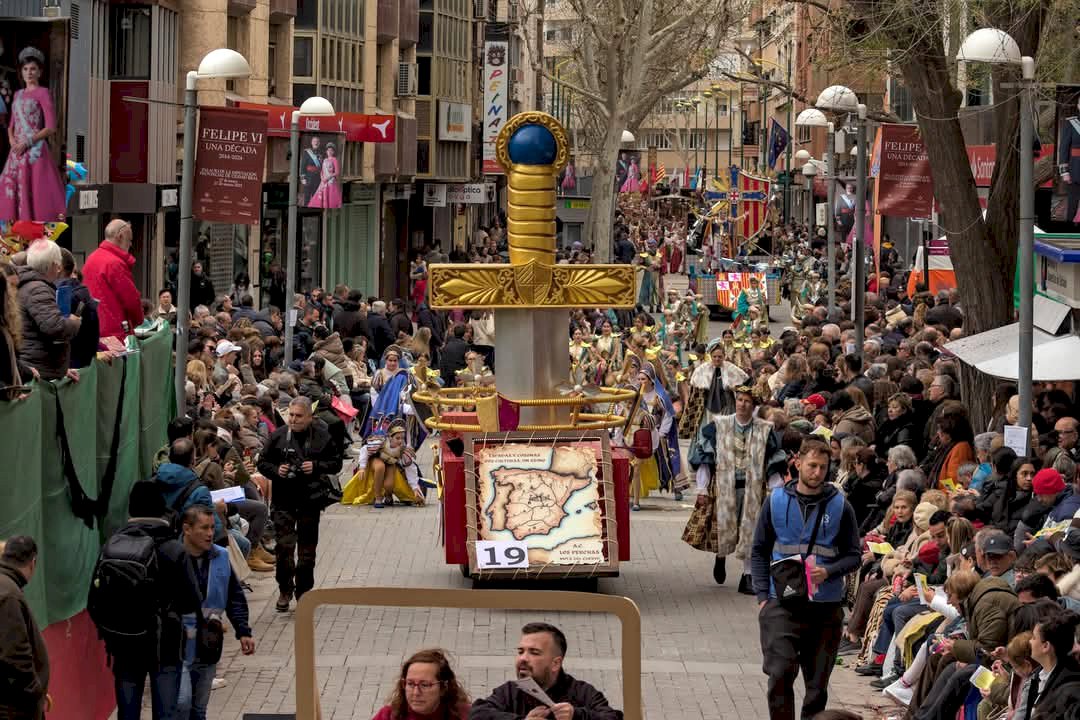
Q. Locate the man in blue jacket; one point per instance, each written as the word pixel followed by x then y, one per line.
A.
pixel 221 595
pixel 799 631
pixel 181 487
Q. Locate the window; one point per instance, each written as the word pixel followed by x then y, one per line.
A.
pixel 423 157
pixel 271 68
pixel 900 101
pixel 303 56
pixel 130 56
pixel 423 76
pixel 696 140
pixel 427 30
pixel 659 140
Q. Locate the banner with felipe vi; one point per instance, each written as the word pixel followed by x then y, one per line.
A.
pixel 230 155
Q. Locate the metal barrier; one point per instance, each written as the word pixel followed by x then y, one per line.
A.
pixel 307 697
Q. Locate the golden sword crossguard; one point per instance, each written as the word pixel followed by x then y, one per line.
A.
pixel 532 148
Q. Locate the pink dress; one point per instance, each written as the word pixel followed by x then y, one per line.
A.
pixel 30 186
pixel 328 195
pixel 632 183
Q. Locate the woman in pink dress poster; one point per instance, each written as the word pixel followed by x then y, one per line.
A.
pixel 30 185
pixel 633 177
pixel 329 193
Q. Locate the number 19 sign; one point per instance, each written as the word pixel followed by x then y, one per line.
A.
pixel 502 555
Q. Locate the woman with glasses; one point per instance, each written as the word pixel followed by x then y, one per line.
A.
pixel 427 689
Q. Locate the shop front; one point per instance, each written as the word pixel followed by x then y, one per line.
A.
pixel 352 237
pixel 308 249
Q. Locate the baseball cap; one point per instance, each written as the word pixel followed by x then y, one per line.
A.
pixel 817 400
pixel 224 346
pixel 998 545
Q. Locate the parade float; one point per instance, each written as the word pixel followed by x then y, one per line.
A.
pixel 530 485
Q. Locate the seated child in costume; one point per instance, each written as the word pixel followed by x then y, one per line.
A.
pixel 386 469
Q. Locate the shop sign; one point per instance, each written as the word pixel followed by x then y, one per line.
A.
pixel 470 193
pixel 434 195
pixel 496 100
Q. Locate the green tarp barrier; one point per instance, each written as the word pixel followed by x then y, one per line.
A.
pixel 35 499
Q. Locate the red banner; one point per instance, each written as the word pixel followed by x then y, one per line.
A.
pixel 230 153
pixel 983 158
pixel 905 186
pixel 356 126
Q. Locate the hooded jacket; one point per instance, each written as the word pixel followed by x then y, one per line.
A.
pixel 856 421
pixel 348 322
pixel 173 478
pixel 24 659
pixel 987 609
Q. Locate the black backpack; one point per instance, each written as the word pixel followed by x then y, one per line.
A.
pixel 124 599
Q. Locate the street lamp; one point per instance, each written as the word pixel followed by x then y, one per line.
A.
pixel 841 100
pixel 812 117
pixel 707 94
pixel 809 171
pixel 220 63
pixel 993 46
pixel 716 90
pixel 312 107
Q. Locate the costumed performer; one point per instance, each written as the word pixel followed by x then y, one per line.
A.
pixel 712 391
pixel 738 459
pixel 649 294
pixel 392 390
pixel 386 469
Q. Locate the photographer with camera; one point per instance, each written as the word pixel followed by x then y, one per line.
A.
pixel 299 460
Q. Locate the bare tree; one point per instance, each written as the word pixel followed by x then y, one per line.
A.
pixel 626 56
pixel 918 42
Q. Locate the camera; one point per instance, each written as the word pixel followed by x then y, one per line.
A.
pixel 292 460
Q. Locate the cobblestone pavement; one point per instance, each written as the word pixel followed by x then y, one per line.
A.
pixel 701 653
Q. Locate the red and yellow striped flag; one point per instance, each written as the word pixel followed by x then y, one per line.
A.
pixel 659 172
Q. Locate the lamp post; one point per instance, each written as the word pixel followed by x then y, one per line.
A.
pixel 802 159
pixel 707 94
pixel 695 102
pixel 312 107
pixel 812 117
pixel 843 101
pixel 809 171
pixel 716 90
pixel 220 63
pixel 993 46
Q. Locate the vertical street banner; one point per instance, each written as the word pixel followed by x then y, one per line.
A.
pixel 320 170
pixel 496 100
pixel 905 186
pixel 230 153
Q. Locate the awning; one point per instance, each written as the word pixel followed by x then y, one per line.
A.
pixel 996 352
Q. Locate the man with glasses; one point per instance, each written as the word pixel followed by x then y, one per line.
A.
pixel 107 274
pixel 540 656
pixel 1066 429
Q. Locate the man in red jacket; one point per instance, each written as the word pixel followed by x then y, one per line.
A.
pixel 107 273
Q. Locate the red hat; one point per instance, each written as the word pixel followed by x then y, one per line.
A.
pixel 930 553
pixel 816 400
pixel 1047 481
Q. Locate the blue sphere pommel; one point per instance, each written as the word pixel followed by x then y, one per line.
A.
pixel 532 145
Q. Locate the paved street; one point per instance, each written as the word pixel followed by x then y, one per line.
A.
pixel 700 642
pixel 701 652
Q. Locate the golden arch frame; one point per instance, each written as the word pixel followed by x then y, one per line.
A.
pixel 307 696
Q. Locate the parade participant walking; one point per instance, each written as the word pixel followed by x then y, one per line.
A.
pixel 712 387
pixel 297 460
pixel 809 520
pixel 736 450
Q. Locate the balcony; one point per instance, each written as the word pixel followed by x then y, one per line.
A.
pixel 241 7
pixel 409 23
pixel 281 11
pixel 386 27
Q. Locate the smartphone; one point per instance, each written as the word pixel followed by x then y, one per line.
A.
pixel 63 299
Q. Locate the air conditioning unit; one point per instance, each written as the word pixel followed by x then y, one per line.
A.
pixel 406 80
